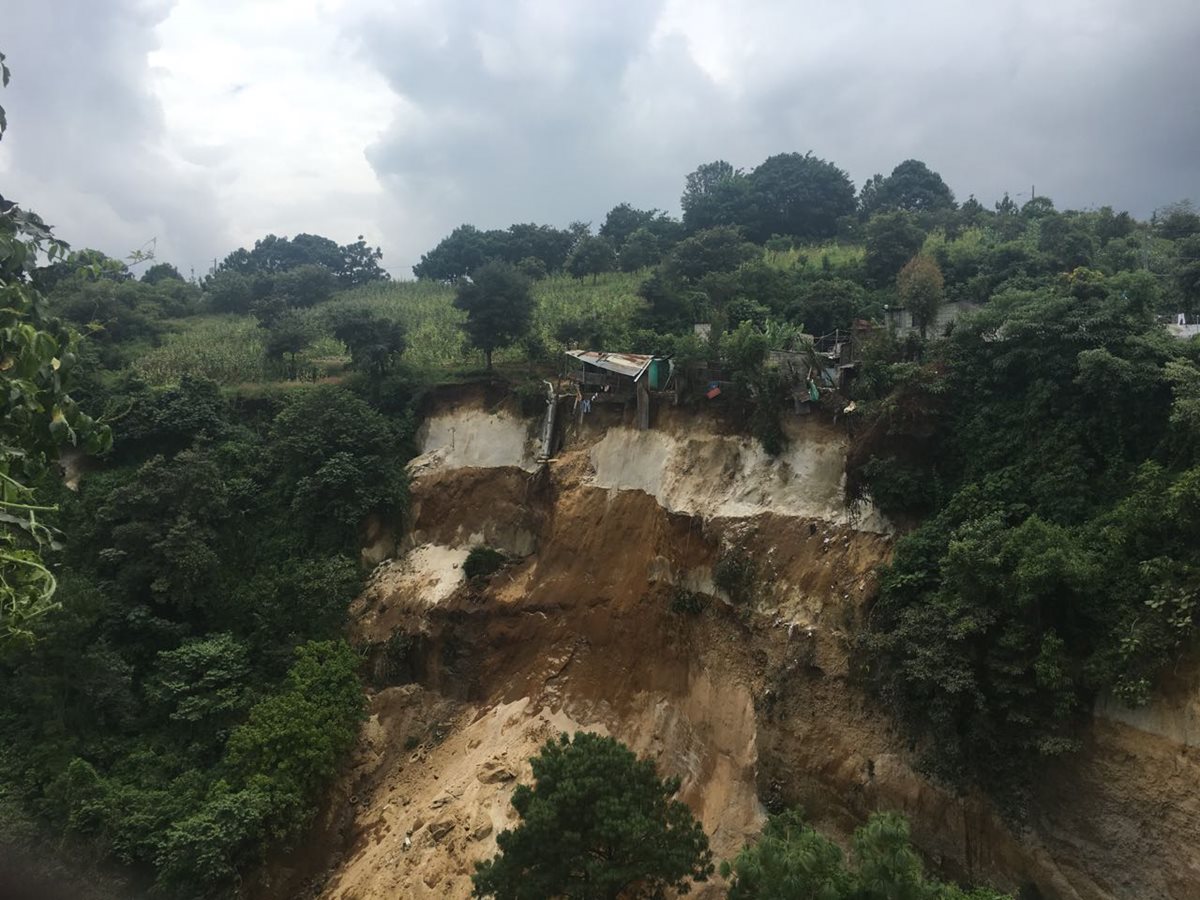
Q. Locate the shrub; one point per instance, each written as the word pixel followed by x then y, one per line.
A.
pixel 531 397
pixel 598 822
pixel 735 574
pixel 482 562
pixel 792 859
pixel 684 602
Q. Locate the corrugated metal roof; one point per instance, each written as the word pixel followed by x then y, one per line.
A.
pixel 631 364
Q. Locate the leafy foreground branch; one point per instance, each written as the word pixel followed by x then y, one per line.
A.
pixel 37 416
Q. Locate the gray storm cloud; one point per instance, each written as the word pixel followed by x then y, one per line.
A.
pixel 513 117
pixel 85 143
pixel 557 110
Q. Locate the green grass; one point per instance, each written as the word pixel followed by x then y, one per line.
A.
pixel 814 256
pixel 229 348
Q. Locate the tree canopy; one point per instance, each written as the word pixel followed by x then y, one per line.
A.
pixel 499 307
pixel 804 197
pixel 912 187
pixel 792 860
pixel 467 248
pixel 597 824
pixel 592 255
pixel 920 286
pixel 350 265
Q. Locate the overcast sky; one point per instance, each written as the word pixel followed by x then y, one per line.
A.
pixel 204 124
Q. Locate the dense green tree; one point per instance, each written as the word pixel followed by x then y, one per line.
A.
pixel 80 265
pixel 666 306
pixel 593 256
pixel 868 196
pixel 359 265
pixel 204 682
pixel 597 823
pixel 1037 207
pixel 331 485
pixel 550 246
pixel 499 307
pixel 706 252
pixel 467 248
pixel 827 303
pixel 912 187
pixel 288 334
pixel 464 250
pixel 305 285
pixel 110 312
pixel 1187 271
pixel 1024 594
pixel 278 761
pixel 171 419
pixel 920 285
pixel 156 532
pixel 374 342
pixel 587 330
pixel 793 861
pixel 717 195
pixel 892 240
pixel 758 391
pixel 799 195
pixel 1067 241
pixel 972 213
pixel 160 271
pixel 298 736
pixel 790 861
pixel 349 265
pixel 1109 224
pixel 1176 220
pixel 624 220
pixel 229 291
pixel 640 250
pixel 532 268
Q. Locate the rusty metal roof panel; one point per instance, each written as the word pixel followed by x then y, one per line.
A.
pixel 630 364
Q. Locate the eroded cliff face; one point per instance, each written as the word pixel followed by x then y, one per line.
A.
pixel 750 703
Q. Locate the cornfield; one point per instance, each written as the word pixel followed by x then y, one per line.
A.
pixel 814 256
pixel 434 336
pixel 229 348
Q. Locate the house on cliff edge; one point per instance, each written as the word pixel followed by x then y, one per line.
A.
pixel 618 377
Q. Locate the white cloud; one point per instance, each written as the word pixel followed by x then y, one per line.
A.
pixel 277 104
pixel 208 123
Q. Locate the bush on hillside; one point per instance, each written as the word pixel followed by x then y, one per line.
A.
pixel 597 822
pixel 482 562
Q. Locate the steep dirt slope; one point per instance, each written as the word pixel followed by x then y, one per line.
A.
pixel 751 704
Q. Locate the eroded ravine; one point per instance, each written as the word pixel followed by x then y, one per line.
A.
pixel 748 706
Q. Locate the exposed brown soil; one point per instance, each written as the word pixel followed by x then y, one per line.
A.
pixel 751 704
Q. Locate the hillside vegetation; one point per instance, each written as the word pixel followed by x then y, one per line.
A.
pixel 182 700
